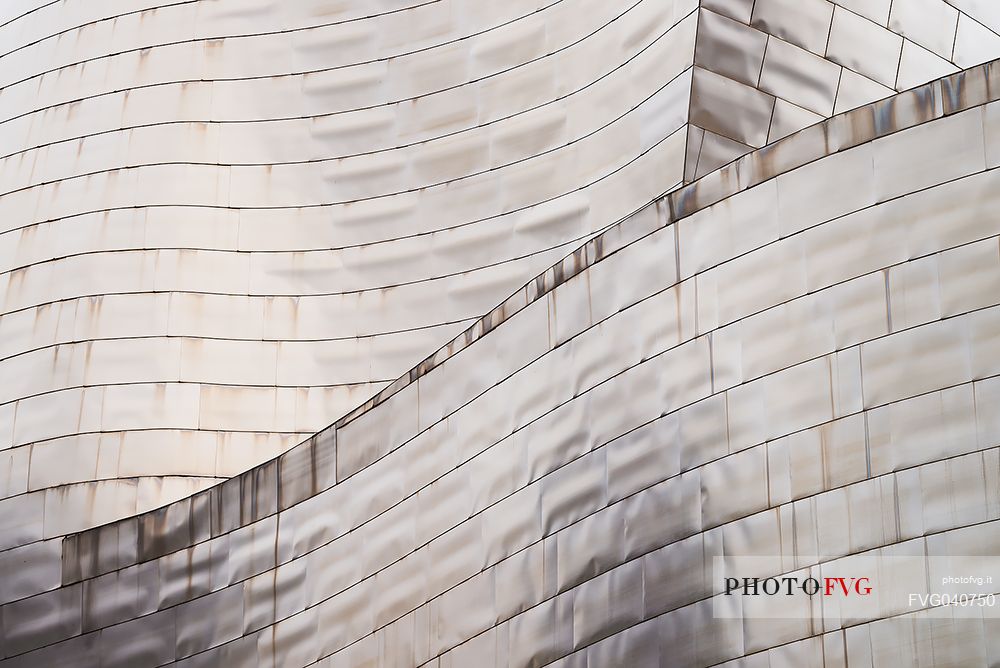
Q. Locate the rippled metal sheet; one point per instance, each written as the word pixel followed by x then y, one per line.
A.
pixel 799 368
pixel 256 216
pixel 536 533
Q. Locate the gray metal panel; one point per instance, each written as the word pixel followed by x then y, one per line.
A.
pixel 806 24
pixel 817 363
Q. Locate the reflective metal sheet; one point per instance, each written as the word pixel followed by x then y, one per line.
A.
pixel 711 93
pixel 806 24
pixel 276 534
pixel 800 77
pixel 729 48
pixel 917 65
pixel 929 23
pixel 864 47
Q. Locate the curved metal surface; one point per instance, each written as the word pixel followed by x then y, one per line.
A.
pixel 225 224
pixel 795 356
pixel 486 506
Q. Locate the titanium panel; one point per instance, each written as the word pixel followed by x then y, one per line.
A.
pixel 794 358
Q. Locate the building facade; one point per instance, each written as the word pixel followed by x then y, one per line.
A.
pixel 593 294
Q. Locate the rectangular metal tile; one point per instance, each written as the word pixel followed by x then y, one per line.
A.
pixel 864 47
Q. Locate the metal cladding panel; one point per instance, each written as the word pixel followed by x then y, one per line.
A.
pixel 794 359
pixel 819 57
pixel 227 223
pixel 490 505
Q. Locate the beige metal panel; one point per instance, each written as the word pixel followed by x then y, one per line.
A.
pixel 789 118
pixel 939 353
pixel 462 612
pixel 991 128
pixel 665 588
pixel 876 10
pixel 641 457
pixel 42 620
pixel 974 42
pixel 807 327
pixel 864 47
pixel 983 337
pixel 293 642
pixel 968 277
pixel 914 293
pixel 856 90
pixel 701 431
pixel 716 151
pixel 271 55
pixel 799 77
pixel 805 24
pixel 857 244
pixel 513 521
pixel 984 12
pixel 147 640
pixel 38 567
pixel 927 428
pixel 917 65
pixel 930 23
pixel 119 596
pixel 94 503
pixel 738 10
pixel 607 604
pixel 575 561
pixel 953 493
pixel 849 178
pixel 729 48
pixel 7 426
pixel 817 459
pixel 573 492
pixel 542 633
pixel 13 472
pixel 792 399
pixel 745 472
pixel 960 223
pixel 731 227
pixel 711 93
pixel 741 288
pixel 899 159
pixel 695 137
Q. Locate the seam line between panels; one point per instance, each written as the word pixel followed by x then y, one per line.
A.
pixel 415 189
pixel 183 3
pixel 199 383
pixel 197 337
pixel 214 207
pixel 661 228
pixel 626 561
pixel 279 32
pixel 312 117
pixel 595 449
pixel 708 598
pixel 418 281
pixel 318 71
pixel 30 11
pixel 89 482
pixel 543 538
pixel 500 381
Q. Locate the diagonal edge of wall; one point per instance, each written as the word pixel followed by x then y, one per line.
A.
pixel 316 465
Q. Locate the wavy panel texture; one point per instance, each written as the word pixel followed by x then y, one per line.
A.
pixel 226 223
pixel 797 355
pixel 767 68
